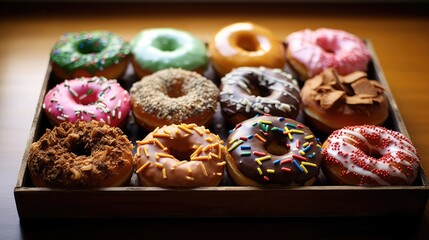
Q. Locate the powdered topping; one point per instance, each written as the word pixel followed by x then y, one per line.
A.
pixel 275 150
pixel 329 88
pixel 184 155
pixel 250 91
pixel 87 99
pixel 175 95
pixel 375 155
pixel 84 154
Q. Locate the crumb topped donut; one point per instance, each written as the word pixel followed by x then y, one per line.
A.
pixel 331 101
pixel 173 96
pixel 81 154
pixel 184 155
pixel 370 156
pixel 268 150
pixel 248 91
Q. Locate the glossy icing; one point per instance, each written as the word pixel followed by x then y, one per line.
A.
pixel 86 99
pixel 92 51
pixel 184 155
pixel 328 48
pixel 376 155
pixel 258 90
pixel 275 150
pixel 160 48
pixel 245 44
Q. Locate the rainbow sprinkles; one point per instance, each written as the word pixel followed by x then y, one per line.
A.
pixel 274 150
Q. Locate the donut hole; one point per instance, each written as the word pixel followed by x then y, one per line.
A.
pixel 181 154
pixel 80 150
pixel 90 45
pixel 262 91
pixel 276 148
pixel 165 43
pixel 248 42
pixel 175 91
pixel 375 154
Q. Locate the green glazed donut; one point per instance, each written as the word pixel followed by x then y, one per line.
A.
pixel 161 48
pixel 87 54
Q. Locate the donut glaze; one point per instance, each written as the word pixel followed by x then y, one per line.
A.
pixel 87 54
pixel 273 150
pixel 184 155
pixel 161 48
pixel 81 155
pixel 173 96
pixel 245 44
pixel 310 52
pixel 86 99
pixel 370 156
pixel 247 91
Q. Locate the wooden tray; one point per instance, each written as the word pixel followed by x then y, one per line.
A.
pixel 226 200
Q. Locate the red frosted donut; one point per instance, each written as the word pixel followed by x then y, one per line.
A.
pixel 371 156
pixel 86 99
pixel 310 52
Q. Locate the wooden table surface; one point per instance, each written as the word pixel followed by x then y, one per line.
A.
pixel 399 34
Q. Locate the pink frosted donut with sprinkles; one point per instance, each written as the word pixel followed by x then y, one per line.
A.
pixel 310 52
pixel 86 99
pixel 269 150
pixel 369 155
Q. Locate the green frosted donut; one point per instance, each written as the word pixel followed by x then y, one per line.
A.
pixel 88 51
pixel 161 48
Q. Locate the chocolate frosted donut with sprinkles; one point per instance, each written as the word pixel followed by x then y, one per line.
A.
pixel 271 150
pixel 247 91
pixel 87 99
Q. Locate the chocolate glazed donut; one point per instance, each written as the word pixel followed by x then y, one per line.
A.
pixel 273 150
pixel 248 91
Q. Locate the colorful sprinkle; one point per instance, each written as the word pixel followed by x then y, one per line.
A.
pixel 297 165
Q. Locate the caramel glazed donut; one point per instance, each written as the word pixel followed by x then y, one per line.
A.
pixel 248 91
pixel 173 96
pixel 273 150
pixel 184 155
pixel 81 154
pixel 370 156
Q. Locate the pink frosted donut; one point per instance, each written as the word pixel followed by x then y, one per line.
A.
pixel 370 156
pixel 310 52
pixel 86 99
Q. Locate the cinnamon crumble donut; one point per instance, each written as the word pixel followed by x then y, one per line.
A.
pixel 81 154
pixel 173 96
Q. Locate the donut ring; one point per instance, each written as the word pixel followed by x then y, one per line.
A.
pixel 81 154
pixel 370 156
pixel 161 48
pixel 245 44
pixel 247 91
pixel 86 99
pixel 184 155
pixel 331 101
pixel 173 96
pixel 88 54
pixel 273 150
pixel 310 52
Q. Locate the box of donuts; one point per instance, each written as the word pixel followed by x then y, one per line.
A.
pixel 245 125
